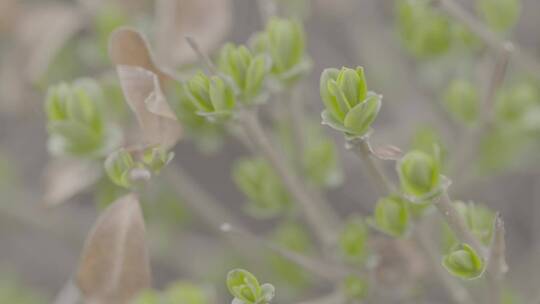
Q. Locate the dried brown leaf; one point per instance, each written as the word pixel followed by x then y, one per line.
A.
pixel 64 178
pixel 114 265
pixel 143 94
pixel 207 20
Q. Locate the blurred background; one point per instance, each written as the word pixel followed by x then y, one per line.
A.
pixel 49 203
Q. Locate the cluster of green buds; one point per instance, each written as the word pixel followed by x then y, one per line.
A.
pixel 245 71
pixel 464 262
pixel 420 175
pixel 349 106
pixel 76 120
pixel 353 241
pixel 247 290
pixel 179 292
pixel 260 183
pixel 127 171
pixel 500 15
pixel 461 101
pixel 392 216
pixel 283 40
pixel 425 31
pixel 479 219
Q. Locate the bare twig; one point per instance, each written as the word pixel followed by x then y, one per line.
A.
pixel 203 57
pixel 320 217
pixel 362 148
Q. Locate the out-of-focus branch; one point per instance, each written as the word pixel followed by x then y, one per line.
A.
pixel 523 58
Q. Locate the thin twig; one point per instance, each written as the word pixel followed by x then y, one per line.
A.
pixel 203 57
pixel 523 58
pixel 362 148
pixel 320 217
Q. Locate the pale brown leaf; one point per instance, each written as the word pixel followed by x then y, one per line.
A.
pixel 144 96
pixel 208 21
pixel 64 178
pixel 114 265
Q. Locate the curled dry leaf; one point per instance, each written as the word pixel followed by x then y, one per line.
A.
pixel 114 265
pixel 207 20
pixel 64 178
pixel 141 80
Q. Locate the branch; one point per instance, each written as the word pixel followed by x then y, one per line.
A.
pixel 319 216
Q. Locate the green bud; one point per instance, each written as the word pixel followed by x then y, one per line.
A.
pixel 260 183
pixel 500 15
pixel 479 219
pixel 428 140
pixel 461 100
pixel 247 71
pixel 320 160
pixel 155 158
pixel 149 296
pixel 419 174
pixel 284 41
pixel 392 216
pixel 118 166
pixel 76 120
pixel 212 96
pixel 514 103
pixel 464 263
pixel 246 289
pixel 425 31
pixel 353 241
pixel 349 107
pixel 186 293
pixel 355 288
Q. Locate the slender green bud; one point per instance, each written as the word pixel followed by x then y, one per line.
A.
pixel 464 263
pixel 353 241
pixel 246 289
pixel 392 216
pixel 349 106
pixel 419 174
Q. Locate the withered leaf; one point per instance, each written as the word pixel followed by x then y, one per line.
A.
pixel 144 96
pixel 64 178
pixel 114 265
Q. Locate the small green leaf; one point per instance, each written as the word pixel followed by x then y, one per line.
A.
pixel 419 173
pixel 353 241
pixel 359 119
pixel 392 216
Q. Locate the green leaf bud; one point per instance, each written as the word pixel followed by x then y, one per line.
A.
pixel 284 41
pixel 186 293
pixel 392 216
pixel 246 71
pixel 464 263
pixel 349 107
pixel 425 31
pixel 246 289
pixel 419 174
pixel 260 183
pixel 355 288
pixel 76 120
pixel 462 101
pixel 149 296
pixel 500 15
pixel 353 241
pixel 118 166
pixel 212 96
pixel 155 158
